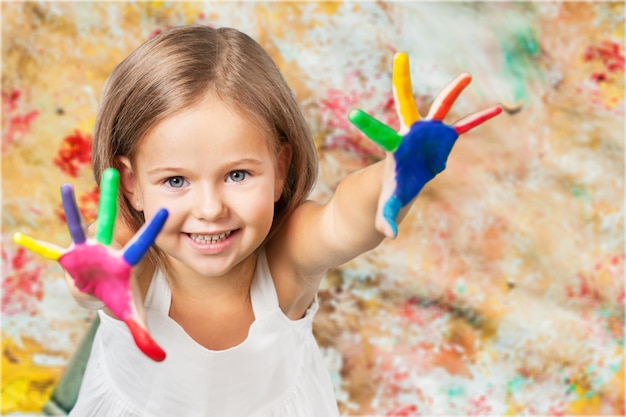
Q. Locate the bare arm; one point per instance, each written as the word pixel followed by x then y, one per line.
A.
pixel 318 237
pixel 369 204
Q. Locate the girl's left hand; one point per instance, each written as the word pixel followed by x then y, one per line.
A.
pixel 99 271
pixel 419 149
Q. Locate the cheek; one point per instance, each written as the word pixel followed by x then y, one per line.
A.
pixel 257 206
pixel 173 218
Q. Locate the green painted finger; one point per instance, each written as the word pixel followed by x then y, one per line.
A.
pixel 377 131
pixel 107 210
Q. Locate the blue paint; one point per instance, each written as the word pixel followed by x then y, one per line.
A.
pixel 138 247
pixel 421 155
pixel 390 212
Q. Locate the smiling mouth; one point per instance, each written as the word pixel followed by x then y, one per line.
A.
pixel 209 238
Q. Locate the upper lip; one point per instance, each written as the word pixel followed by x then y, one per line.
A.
pixel 214 233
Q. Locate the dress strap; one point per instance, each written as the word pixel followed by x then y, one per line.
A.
pixel 262 291
pixel 159 297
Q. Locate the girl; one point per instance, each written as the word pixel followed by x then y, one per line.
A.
pixel 200 122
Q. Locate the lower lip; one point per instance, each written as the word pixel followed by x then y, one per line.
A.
pixel 213 248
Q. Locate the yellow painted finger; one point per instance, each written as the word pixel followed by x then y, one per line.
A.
pixel 44 249
pixel 403 92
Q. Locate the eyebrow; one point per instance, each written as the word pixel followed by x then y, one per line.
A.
pixel 227 166
pixel 247 161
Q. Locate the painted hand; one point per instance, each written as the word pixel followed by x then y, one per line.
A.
pixel 419 149
pixel 100 270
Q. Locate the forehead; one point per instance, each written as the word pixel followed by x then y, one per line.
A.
pixel 211 127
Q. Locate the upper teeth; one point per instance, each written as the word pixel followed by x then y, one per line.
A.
pixel 209 238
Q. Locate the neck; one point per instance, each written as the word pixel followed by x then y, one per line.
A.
pixel 189 284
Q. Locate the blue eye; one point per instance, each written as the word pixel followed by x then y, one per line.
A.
pixel 237 176
pixel 175 182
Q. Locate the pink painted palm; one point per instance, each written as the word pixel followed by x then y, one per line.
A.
pixel 100 270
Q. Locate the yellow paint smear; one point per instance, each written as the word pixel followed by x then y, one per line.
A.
pixel 26 386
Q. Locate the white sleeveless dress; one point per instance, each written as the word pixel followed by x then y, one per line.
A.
pixel 277 371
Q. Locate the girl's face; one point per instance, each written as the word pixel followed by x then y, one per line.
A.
pixel 217 175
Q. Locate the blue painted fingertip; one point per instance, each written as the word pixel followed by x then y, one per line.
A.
pixel 145 238
pixel 390 212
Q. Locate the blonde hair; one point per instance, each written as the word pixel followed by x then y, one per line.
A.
pixel 175 70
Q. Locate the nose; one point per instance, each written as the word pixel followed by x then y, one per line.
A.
pixel 209 204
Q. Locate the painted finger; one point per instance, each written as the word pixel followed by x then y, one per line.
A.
pixel 377 131
pixel 446 98
pixel 72 214
pixel 107 210
pixel 47 250
pixel 144 341
pixel 390 213
pixel 403 92
pixel 138 247
pixel 473 120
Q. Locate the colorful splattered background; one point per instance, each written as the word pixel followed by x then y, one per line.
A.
pixel 504 293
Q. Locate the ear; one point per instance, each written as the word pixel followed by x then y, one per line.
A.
pixel 128 183
pixel 282 169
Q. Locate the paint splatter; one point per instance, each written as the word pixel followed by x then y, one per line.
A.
pixel 16 122
pixel 404 411
pixel 479 405
pixel 521 50
pixel 533 52
pixel 74 153
pixel 610 54
pixel 22 288
pixel 606 67
pixel 26 384
pixel 88 204
pixel 341 134
pixel 584 289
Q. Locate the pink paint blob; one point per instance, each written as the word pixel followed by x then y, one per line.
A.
pixel 98 273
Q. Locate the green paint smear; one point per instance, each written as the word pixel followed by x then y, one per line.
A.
pixel 590 394
pixel 516 384
pixel 521 52
pixel 455 392
pixel 580 192
pixel 570 388
pixel 615 367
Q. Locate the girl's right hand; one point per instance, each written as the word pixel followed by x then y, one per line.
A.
pixel 418 151
pixel 97 269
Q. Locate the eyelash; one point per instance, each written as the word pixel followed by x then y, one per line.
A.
pixel 245 173
pixel 229 178
pixel 168 181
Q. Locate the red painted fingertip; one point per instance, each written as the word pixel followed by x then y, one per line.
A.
pixel 144 341
pixel 476 119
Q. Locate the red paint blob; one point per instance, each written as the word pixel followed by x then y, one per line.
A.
pixel 407 410
pixel 144 342
pixel 74 153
